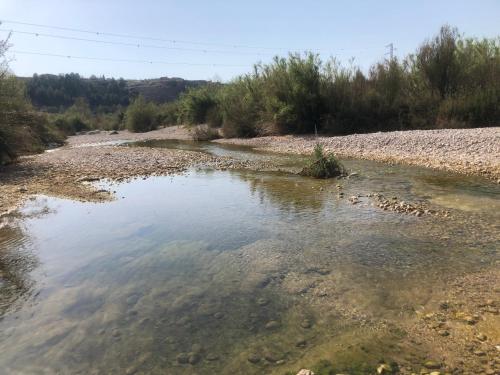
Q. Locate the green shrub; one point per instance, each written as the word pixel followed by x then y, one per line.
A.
pixel 241 108
pixel 141 116
pixel 169 114
pixel 196 103
pixel 323 165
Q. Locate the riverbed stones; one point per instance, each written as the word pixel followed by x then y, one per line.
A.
pixel 218 315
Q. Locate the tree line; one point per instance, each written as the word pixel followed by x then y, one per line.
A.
pixel 58 92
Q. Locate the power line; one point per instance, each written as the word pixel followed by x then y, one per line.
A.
pixel 136 45
pixel 122 60
pixel 176 41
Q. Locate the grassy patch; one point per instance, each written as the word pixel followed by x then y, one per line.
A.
pixel 323 165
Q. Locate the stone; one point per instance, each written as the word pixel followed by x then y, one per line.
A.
pixel 301 343
pixel 432 365
pixel 182 358
pixel 212 357
pixel 305 372
pixel 481 337
pixel 262 301
pixel 193 358
pixel 196 348
pixel 306 323
pixel 218 315
pixel 272 356
pixel 384 368
pixel 443 332
pixel 470 320
pixel 273 324
pixel 253 358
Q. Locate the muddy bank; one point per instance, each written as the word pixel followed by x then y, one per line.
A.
pixel 468 151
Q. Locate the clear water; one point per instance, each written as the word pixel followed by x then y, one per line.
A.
pixel 201 263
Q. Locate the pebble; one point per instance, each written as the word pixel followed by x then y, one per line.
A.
pixel 262 301
pixel 253 358
pixel 444 333
pixel 212 357
pixel 305 372
pixel 182 358
pixel 384 368
pixel 481 337
pixel 193 358
pixel 301 343
pixel 218 315
pixel 432 365
pixel 306 323
pixel 273 324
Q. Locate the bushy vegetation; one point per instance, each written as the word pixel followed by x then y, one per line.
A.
pixel 450 81
pixel 323 165
pixel 141 116
pixel 22 130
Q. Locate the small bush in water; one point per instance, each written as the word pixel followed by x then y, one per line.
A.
pixel 323 165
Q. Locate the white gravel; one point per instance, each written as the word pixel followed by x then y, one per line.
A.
pixel 469 151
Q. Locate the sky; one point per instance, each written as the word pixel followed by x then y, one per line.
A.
pixel 219 40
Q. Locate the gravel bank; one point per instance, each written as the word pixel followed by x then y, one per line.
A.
pixel 469 151
pixel 63 172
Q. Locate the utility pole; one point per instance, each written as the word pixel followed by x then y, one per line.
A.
pixel 391 50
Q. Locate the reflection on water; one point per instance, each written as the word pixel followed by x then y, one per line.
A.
pixel 232 272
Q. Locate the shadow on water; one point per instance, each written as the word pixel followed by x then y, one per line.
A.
pixel 232 272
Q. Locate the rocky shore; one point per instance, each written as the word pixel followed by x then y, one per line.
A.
pixel 468 151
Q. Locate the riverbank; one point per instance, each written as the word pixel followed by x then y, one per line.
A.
pixel 467 151
pixel 90 157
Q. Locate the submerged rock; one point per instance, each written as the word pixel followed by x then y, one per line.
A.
pixel 182 358
pixel 432 365
pixel 193 358
pixel 384 368
pixel 306 323
pixel 253 358
pixel 273 324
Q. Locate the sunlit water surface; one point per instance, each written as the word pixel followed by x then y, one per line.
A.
pixel 216 268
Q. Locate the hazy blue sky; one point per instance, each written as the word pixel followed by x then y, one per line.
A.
pixel 358 29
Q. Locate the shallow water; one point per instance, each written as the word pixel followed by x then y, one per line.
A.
pixel 202 263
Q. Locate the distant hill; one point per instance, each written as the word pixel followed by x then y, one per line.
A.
pixel 57 92
pixel 161 90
